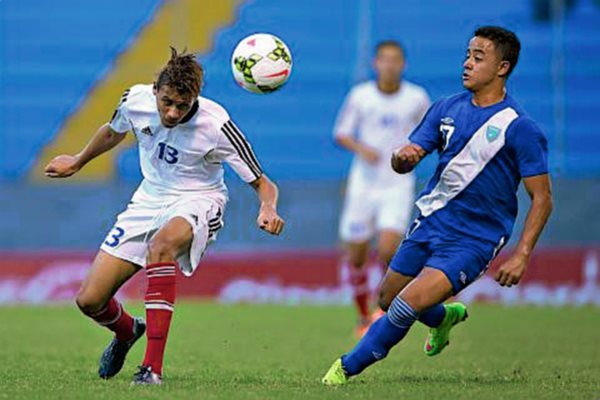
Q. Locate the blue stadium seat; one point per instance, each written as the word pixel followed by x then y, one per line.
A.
pixel 324 44
pixel 51 54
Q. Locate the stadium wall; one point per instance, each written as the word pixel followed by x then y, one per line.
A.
pixel 555 276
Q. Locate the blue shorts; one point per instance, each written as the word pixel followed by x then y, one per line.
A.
pixel 462 261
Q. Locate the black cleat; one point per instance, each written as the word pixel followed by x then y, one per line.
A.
pixel 113 357
pixel 145 376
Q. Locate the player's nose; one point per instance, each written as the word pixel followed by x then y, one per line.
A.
pixel 173 114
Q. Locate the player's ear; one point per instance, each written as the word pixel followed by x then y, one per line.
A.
pixel 154 88
pixel 503 68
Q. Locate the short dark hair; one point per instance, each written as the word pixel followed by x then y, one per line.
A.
pixel 506 42
pixel 182 73
pixel 389 43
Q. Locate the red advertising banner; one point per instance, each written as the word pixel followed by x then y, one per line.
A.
pixel 555 276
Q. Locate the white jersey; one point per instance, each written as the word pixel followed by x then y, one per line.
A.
pixel 187 158
pixel 383 122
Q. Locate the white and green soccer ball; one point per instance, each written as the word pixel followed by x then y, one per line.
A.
pixel 261 63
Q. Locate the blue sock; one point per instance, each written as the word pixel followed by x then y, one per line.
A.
pixel 386 332
pixel 433 317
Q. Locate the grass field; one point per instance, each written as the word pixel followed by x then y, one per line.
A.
pixel 260 352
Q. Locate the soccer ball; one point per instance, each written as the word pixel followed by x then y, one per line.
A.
pixel 261 63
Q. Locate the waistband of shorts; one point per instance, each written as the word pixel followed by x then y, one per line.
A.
pixel 153 189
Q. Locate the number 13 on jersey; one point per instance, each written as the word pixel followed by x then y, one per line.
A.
pixel 167 153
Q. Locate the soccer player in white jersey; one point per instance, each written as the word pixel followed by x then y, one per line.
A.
pixel 176 211
pixel 487 145
pixel 377 117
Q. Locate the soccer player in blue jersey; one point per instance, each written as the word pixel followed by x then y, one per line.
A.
pixel 486 146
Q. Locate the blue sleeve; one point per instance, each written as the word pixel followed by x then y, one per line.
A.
pixel 530 147
pixel 427 133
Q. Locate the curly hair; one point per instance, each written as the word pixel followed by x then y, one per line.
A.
pixel 506 42
pixel 182 73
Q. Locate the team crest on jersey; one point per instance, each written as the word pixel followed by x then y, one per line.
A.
pixel 147 131
pixel 447 121
pixel 492 133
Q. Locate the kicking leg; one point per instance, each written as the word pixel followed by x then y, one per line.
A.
pixel 429 288
pixel 95 299
pixel 164 248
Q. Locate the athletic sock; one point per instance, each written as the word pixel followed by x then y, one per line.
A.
pixel 385 333
pixel 159 301
pixel 115 318
pixel 433 317
pixel 360 291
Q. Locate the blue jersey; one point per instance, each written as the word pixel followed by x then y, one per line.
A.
pixel 483 154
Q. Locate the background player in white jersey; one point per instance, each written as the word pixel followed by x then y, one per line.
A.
pixel 176 211
pixel 377 117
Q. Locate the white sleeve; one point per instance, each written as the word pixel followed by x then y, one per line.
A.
pixel 120 121
pixel 348 117
pixel 235 150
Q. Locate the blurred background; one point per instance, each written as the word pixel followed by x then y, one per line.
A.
pixel 65 63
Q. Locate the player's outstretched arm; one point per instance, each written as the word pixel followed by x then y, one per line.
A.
pixel 268 219
pixel 540 192
pixel 64 165
pixel 406 158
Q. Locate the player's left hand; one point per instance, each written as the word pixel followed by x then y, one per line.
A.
pixel 268 220
pixel 511 271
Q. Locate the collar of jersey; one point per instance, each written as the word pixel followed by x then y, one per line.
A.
pixel 191 113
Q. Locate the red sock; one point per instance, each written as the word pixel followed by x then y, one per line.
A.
pixel 159 301
pixel 360 288
pixel 115 318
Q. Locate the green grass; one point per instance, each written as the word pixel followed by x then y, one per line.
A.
pixel 259 352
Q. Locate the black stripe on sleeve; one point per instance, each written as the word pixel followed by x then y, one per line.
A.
pixel 234 140
pixel 240 135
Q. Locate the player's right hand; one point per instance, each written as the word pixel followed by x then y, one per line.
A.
pixel 406 158
pixel 62 166
pixel 368 154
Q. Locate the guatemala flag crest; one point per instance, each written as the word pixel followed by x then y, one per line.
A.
pixel 492 133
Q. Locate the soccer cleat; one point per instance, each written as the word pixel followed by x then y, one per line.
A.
pixel 336 375
pixel 145 376
pixel 438 338
pixel 113 357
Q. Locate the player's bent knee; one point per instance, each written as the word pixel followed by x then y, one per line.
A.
pixel 384 300
pixel 383 303
pixel 89 302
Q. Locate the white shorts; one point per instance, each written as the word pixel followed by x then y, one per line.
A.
pixel 372 210
pixel 145 215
